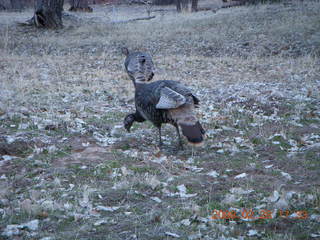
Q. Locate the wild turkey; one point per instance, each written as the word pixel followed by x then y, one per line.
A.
pixel 139 65
pixel 167 102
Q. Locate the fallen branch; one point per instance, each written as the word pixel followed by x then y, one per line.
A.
pixel 163 10
pixel 233 4
pixel 134 19
pixel 204 9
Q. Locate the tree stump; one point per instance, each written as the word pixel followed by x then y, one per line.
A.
pixel 48 13
pixel 79 5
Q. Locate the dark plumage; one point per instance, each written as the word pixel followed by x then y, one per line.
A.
pixel 139 65
pixel 167 102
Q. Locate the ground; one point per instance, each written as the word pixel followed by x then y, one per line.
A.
pixel 69 170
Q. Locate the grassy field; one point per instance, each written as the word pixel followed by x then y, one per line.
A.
pixel 69 170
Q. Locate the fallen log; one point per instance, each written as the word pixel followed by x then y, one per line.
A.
pixel 233 4
pixel 134 19
pixel 164 10
pixel 204 9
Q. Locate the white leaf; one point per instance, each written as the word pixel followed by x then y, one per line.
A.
pixel 107 209
pixel 156 199
pixel 172 234
pixel 32 225
pixel 275 197
pixel 268 166
pixel 242 175
pixel 252 233
pixel 100 222
pixel 240 191
pixel 182 188
pixel 286 175
pixel 213 174
pixel 185 222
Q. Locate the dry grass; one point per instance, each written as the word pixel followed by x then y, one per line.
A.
pixel 63 95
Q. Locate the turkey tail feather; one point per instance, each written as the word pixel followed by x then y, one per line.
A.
pixel 193 133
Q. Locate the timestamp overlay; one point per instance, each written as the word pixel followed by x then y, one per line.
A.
pixel 252 214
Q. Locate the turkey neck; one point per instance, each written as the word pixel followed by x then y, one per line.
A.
pixel 139 85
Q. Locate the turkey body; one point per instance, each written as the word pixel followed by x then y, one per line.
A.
pixel 164 102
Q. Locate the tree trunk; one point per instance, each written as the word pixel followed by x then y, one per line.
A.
pixel 194 5
pixel 79 5
pixel 185 5
pixel 16 4
pixel 178 5
pixel 12 4
pixel 48 13
pixel 3 5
